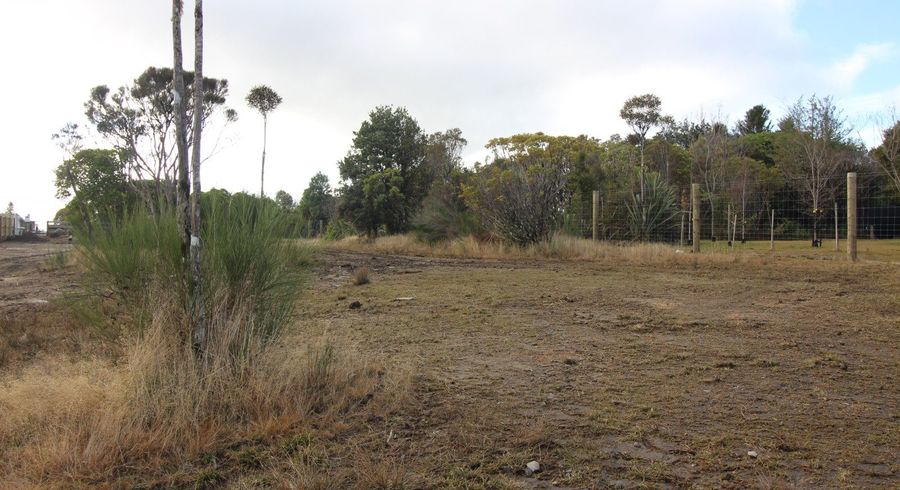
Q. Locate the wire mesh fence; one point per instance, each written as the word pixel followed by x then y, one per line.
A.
pixel 796 211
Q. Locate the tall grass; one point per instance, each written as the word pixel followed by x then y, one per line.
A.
pixel 158 406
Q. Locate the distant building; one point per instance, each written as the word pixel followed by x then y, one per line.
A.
pixel 13 225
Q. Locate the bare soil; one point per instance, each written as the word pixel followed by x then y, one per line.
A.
pixel 776 375
pixel 780 375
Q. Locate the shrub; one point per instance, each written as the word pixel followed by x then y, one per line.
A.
pixel 520 194
pixel 652 219
pixel 444 214
pixel 338 229
pixel 361 276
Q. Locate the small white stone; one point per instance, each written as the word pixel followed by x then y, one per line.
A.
pixel 752 454
pixel 532 467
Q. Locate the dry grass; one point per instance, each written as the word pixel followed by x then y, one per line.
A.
pixel 560 247
pixel 361 276
pixel 136 418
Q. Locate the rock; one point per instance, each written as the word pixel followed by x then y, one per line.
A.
pixel 752 454
pixel 36 301
pixel 532 467
pixel 405 298
pixel 355 305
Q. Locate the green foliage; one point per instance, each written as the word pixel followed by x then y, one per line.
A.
pixel 444 214
pixel 139 121
pixel 653 219
pixel 520 194
pixel 96 181
pixel 246 264
pixel 284 200
pixel 385 176
pixel 339 229
pixel 317 203
pixel 756 120
pixel 263 99
pixel 641 112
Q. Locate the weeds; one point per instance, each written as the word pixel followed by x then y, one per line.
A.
pixel 361 276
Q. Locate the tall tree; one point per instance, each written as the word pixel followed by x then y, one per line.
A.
pixel 181 140
pixel 756 120
pixel 641 112
pixel 384 174
pixel 284 200
pixel 710 153
pixel 198 316
pixel 317 202
pixel 265 100
pixel 140 120
pixel 813 149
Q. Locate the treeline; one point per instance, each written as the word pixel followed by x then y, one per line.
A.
pixel 397 178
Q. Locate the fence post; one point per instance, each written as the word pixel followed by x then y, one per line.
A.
pixel 772 231
pixel 695 218
pixel 851 215
pixel 837 235
pixel 595 223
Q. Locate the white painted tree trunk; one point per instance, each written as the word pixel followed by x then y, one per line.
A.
pixel 198 317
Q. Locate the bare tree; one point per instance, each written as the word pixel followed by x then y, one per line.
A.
pixel 710 154
pixel 814 150
pixel 180 116
pixel 198 318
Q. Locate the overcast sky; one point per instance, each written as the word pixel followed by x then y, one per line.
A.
pixel 491 68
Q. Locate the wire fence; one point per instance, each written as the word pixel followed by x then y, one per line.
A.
pixel 796 210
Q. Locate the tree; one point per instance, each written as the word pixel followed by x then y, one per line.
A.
pixel 814 149
pixel 284 200
pixel 198 315
pixel 317 202
pixel 443 213
pixel 95 181
pixel 521 193
pixel 387 156
pixel 641 112
pixel 887 155
pixel 264 100
pixel 10 208
pixel 710 153
pixel 756 120
pixel 140 120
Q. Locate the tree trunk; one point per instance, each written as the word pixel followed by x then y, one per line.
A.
pixel 183 195
pixel 262 173
pixel 198 317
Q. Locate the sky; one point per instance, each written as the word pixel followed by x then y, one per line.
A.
pixel 489 67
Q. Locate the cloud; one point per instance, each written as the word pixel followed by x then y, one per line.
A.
pixel 846 71
pixel 490 68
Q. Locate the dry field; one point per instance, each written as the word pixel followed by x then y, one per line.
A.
pixel 622 371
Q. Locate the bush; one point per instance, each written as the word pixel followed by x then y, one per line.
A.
pixel 338 229
pixel 653 219
pixel 519 197
pixel 444 215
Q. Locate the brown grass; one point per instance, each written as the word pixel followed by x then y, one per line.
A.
pixel 560 247
pixel 136 418
pixel 361 276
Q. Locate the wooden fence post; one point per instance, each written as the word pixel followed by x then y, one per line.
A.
pixel 851 215
pixel 772 231
pixel 695 210
pixel 595 222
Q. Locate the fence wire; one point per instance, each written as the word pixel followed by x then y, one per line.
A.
pixel 743 215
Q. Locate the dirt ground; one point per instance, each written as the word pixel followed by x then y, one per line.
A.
pixel 783 375
pixel 724 376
